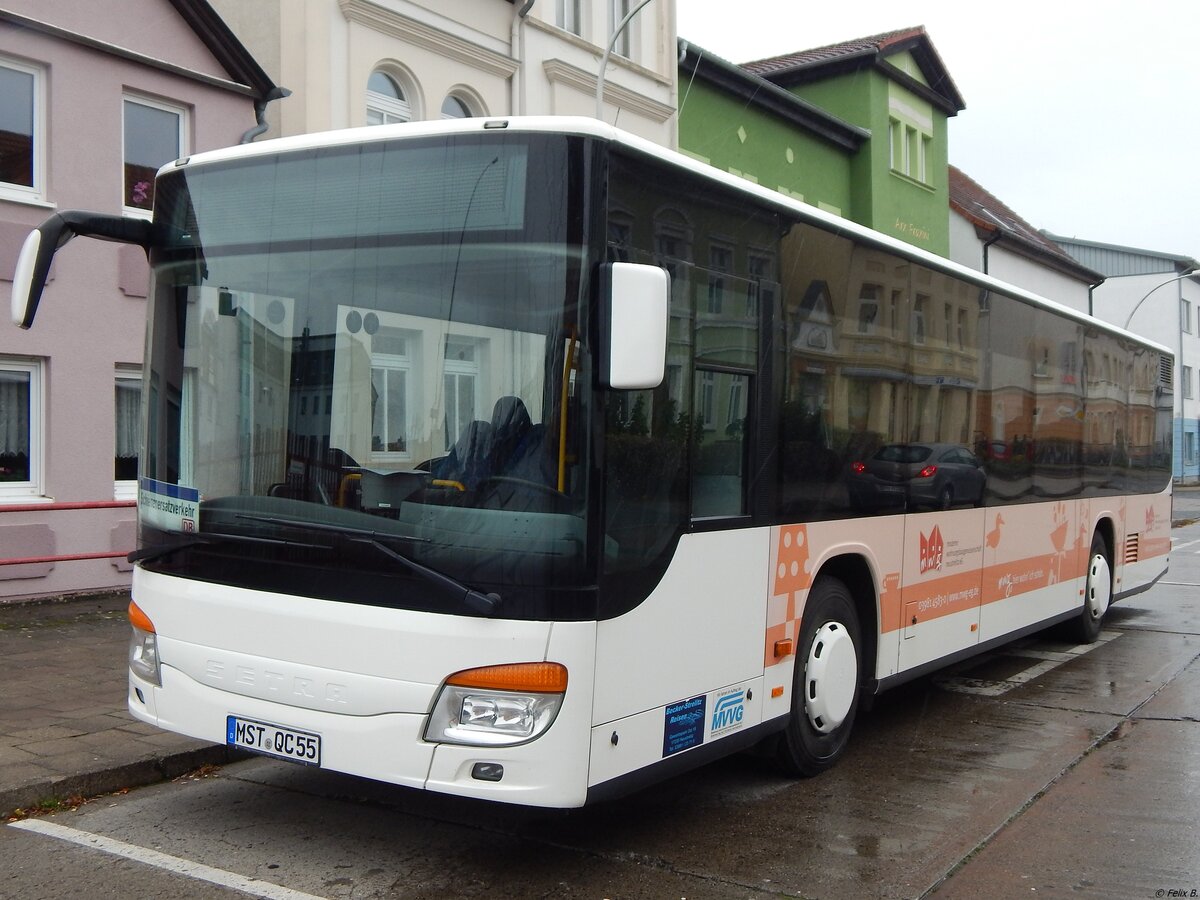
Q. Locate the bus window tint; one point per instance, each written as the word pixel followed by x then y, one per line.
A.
pixel 1007 410
pixel 845 330
pixel 1054 453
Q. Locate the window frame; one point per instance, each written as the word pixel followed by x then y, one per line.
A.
pixel 36 192
pixel 19 491
pixel 569 15
pixel 394 110
pixel 181 114
pixel 124 489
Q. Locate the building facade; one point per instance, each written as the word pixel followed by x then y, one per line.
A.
pixel 1156 295
pixel 987 235
pixel 89 109
pixel 369 62
pixel 891 90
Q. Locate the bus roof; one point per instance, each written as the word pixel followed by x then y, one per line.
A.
pixel 588 127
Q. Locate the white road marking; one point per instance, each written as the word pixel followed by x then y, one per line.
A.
pixel 1175 546
pixel 1050 659
pixel 148 857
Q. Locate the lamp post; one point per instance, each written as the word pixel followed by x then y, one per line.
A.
pixel 1194 270
pixel 612 42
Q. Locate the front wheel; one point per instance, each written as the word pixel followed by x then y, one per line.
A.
pixel 825 684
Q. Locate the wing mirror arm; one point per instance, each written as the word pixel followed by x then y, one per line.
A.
pixel 37 253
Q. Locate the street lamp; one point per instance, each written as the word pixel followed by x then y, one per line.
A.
pixel 1194 270
pixel 612 42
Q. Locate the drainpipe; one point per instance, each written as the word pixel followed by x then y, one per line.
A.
pixel 260 114
pixel 988 243
pixel 517 42
pixel 1091 292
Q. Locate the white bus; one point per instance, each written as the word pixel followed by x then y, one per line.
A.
pixel 521 459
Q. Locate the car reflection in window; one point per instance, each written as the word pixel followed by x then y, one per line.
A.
pixel 916 476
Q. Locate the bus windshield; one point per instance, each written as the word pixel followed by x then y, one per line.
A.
pixel 365 376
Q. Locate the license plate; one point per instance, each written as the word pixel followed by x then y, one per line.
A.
pixel 273 740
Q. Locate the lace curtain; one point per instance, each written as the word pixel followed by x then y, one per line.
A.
pixel 14 412
pixel 129 417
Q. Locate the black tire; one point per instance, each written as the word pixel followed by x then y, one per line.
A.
pixel 812 743
pixel 1097 596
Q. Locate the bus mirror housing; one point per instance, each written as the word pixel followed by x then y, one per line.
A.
pixel 37 253
pixel 636 302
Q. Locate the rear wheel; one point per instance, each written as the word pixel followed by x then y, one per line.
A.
pixel 826 681
pixel 1097 595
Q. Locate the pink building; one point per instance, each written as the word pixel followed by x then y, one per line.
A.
pixel 94 97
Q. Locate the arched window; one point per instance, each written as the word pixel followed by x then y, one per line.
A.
pixel 455 108
pixel 386 103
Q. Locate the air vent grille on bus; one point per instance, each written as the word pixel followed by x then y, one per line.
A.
pixel 1166 366
pixel 1132 546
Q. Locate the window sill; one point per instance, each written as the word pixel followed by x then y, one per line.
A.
pixel 8 195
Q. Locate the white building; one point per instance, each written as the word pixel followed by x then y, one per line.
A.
pixel 986 235
pixel 363 62
pixel 1155 295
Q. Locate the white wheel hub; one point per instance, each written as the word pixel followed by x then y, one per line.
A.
pixel 830 677
pixel 1099 587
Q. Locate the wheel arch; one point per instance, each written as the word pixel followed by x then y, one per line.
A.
pixel 854 571
pixel 1107 530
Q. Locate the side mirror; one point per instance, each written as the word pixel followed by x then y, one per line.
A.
pixel 33 263
pixel 635 311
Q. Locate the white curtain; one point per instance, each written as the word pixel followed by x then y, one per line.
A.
pixel 14 412
pixel 129 417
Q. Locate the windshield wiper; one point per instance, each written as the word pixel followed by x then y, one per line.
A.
pixel 349 530
pixel 476 601
pixel 158 551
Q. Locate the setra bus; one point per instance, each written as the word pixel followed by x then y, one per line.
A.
pixel 522 459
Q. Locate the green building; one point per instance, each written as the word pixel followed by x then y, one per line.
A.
pixel 858 128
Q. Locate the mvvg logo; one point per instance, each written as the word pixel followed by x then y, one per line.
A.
pixel 728 711
pixel 933 549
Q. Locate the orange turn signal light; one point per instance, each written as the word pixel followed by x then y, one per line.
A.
pixel 540 677
pixel 783 648
pixel 777 692
pixel 139 619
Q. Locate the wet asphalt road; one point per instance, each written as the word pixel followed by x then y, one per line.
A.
pixel 1039 770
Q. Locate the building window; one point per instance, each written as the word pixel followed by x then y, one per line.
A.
pixel 618 10
pixel 20 132
pixel 868 308
pixel 1186 375
pixel 455 108
pixel 568 16
pixel 391 371
pixel 128 435
pixel 1189 448
pixel 20 428
pixel 1185 316
pixel 909 150
pixel 460 381
pixel 720 264
pixel 153 137
pixel 386 101
pixel 918 323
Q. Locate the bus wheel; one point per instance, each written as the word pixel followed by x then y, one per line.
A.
pixel 825 685
pixel 1097 594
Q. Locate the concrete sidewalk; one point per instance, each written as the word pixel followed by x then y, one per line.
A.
pixel 64 727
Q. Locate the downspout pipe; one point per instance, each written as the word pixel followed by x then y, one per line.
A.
pixel 517 42
pixel 260 114
pixel 988 243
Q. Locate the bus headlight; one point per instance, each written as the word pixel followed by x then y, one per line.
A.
pixel 143 647
pixel 498 705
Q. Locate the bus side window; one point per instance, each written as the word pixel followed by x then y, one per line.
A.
pixel 719 470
